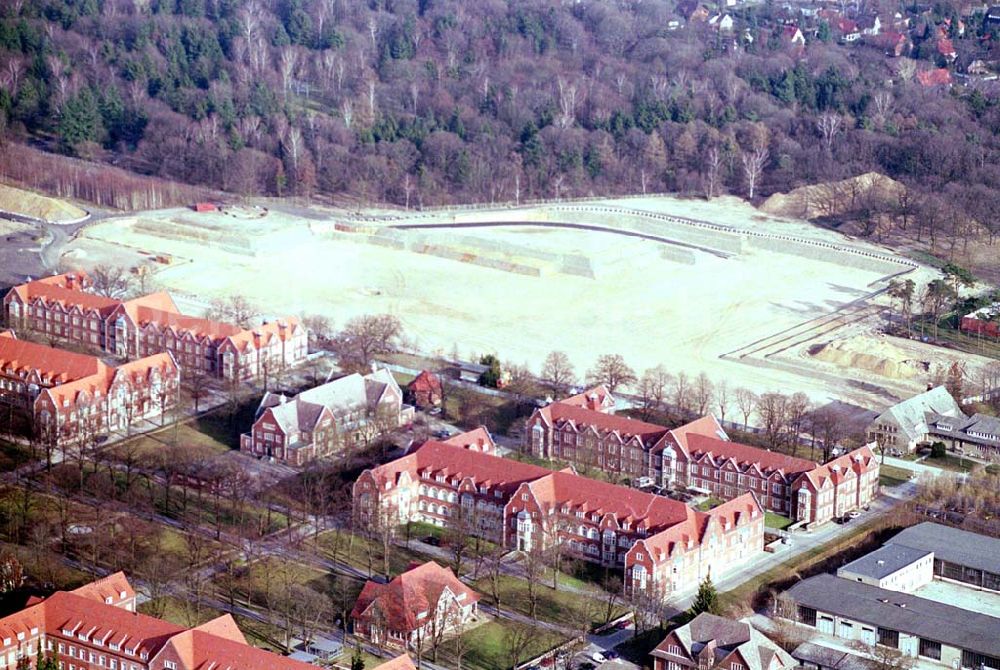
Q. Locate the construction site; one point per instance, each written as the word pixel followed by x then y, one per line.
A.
pixel 760 301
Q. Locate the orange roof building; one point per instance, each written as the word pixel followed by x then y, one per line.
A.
pixel 527 507
pixel 425 390
pixel 65 307
pixel 697 455
pixel 98 622
pixel 425 602
pixel 72 396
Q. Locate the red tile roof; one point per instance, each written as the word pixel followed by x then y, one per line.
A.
pixel 745 455
pixel 649 511
pixel 415 591
pixel 860 460
pixel 580 416
pixel 594 398
pixel 54 289
pixel 706 426
pixel 478 439
pixel 426 381
pixel 115 586
pixel 137 370
pixel 182 323
pixel 457 462
pixel 261 336
pixel 217 644
pixel 937 77
pixel 54 365
pixel 736 511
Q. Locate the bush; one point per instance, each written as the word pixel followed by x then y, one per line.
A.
pixel 938 450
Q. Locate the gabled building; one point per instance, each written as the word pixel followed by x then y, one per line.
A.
pixel 422 604
pixel 711 642
pixel 701 456
pixel 904 425
pixel 70 396
pixel 985 321
pixel 477 439
pixel 978 435
pixel 322 420
pixel 97 626
pixel 425 391
pixel 64 307
pixel 527 508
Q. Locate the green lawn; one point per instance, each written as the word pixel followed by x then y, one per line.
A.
pixel 355 550
pixel 562 607
pixel 488 646
pixel 776 521
pixel 708 504
pixel 952 463
pixel 890 475
pixel 204 432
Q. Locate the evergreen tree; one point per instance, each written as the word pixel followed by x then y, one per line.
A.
pixel 81 120
pixel 706 600
pixel 490 377
pixel 357 661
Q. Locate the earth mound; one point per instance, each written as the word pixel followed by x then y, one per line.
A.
pixel 833 198
pixel 26 203
pixel 872 354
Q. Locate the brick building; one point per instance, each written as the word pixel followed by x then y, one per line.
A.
pixel 69 395
pixel 97 627
pixel 710 642
pixel 425 390
pixel 526 507
pixel 324 419
pixel 62 307
pixel 582 430
pixel 424 603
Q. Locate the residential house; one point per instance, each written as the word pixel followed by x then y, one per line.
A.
pixel 425 391
pixel 418 607
pixel 791 36
pixel 933 78
pixel 711 642
pixel 846 483
pixel 527 507
pixel 401 662
pixel 97 626
pixel 985 321
pixel 70 396
pixel 904 425
pixel 64 307
pixel 991 20
pixel 721 22
pixel 892 43
pixel 849 30
pixel 946 49
pixel 325 419
pixel 866 615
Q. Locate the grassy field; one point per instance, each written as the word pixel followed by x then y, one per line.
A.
pixel 776 521
pixel 562 607
pixel 952 463
pixel 890 475
pixel 709 503
pixel 355 550
pixel 488 646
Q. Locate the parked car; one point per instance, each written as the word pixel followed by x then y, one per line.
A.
pixel 622 625
pixel 611 654
pixel 598 657
pixel 432 540
pixel 854 514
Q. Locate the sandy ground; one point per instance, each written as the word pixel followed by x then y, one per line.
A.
pixel 650 310
pixel 19 201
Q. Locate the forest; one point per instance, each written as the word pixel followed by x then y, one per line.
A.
pixel 423 102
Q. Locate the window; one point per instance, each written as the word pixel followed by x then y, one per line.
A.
pixel 170 665
pixel 930 649
pixel 888 637
pixel 674 649
pixel 807 615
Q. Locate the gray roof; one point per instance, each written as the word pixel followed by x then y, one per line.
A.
pixel 911 414
pixel 884 561
pixel 900 611
pixel 953 545
pixel 832 659
pixel 342 396
pixel 978 429
pixel 726 635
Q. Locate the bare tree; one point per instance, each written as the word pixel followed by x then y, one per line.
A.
pixel 713 172
pixel 112 281
pixel 516 640
pixel 612 371
pixel 557 372
pixel 754 161
pixel 652 389
pixel 365 337
pixel 703 393
pixel 829 125
pixel 746 400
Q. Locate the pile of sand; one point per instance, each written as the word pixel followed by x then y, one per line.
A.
pixel 833 198
pixel 872 354
pixel 26 203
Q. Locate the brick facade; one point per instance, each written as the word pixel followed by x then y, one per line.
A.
pixel 63 308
